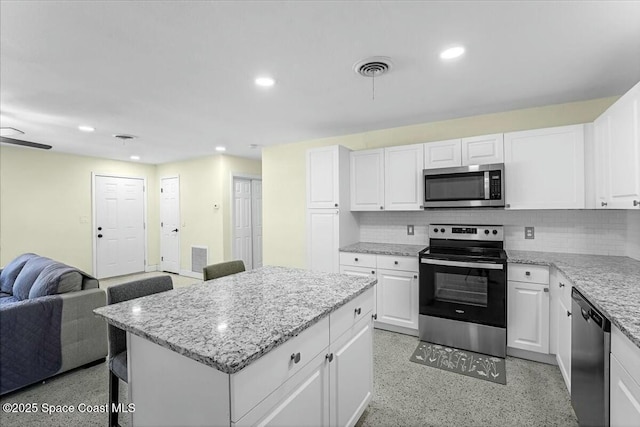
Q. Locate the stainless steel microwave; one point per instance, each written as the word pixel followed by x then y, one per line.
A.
pixel 464 187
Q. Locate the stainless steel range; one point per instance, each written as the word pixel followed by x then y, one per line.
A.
pixel 463 288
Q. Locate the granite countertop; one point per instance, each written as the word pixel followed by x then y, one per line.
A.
pixel 230 322
pixel 610 283
pixel 384 248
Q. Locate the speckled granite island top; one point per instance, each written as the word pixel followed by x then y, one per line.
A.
pixel 384 249
pixel 610 283
pixel 230 322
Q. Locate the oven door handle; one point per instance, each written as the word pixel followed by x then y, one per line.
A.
pixel 485 265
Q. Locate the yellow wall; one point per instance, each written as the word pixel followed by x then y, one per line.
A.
pixel 284 176
pixel 45 204
pixel 206 182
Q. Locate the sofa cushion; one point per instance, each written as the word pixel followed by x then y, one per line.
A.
pixel 11 271
pixel 56 278
pixel 7 299
pixel 28 276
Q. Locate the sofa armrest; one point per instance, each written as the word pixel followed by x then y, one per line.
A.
pixel 83 335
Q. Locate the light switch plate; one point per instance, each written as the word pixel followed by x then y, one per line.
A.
pixel 529 232
pixel 410 230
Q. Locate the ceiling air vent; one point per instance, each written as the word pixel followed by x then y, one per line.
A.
pixel 373 67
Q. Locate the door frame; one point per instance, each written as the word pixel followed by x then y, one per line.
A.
pixel 94 238
pixel 179 222
pixel 234 175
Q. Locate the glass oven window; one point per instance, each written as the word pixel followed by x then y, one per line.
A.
pixel 462 288
pixel 466 186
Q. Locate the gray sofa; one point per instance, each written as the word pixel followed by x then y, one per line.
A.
pixel 47 325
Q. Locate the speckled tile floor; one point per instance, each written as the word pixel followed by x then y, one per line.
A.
pixel 410 394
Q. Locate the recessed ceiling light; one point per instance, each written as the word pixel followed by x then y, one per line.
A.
pixel 265 81
pixel 135 157
pixel 221 148
pixel 452 52
pixel 85 128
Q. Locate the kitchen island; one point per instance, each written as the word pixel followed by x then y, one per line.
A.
pixel 269 346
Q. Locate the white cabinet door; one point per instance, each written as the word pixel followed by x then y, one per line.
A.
pixel 482 150
pixel 323 240
pixel 624 396
pixel 367 180
pixel 403 177
pixel 397 298
pixel 621 143
pixel 601 144
pixel 303 400
pixel 544 168
pixel 362 272
pixel 351 374
pixel 443 154
pixel 563 354
pixel 322 177
pixel 528 316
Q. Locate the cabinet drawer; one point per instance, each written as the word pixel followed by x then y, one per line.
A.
pixel 528 273
pixel 627 353
pixel 357 260
pixel 256 381
pixel 349 314
pixel 404 263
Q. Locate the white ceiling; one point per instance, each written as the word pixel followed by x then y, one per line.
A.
pixel 179 75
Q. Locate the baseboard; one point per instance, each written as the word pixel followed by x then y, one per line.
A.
pixel 193 274
pixel 394 328
pixel 549 359
pixel 151 268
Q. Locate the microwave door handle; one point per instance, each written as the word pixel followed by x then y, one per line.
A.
pixel 485 265
pixel 487 194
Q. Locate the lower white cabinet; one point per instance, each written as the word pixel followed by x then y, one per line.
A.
pixel 398 298
pixel 528 316
pixel 624 375
pixel 563 350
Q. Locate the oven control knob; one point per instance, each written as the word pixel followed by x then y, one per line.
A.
pixel 486 231
pixel 435 230
pixel 495 231
pixel 442 230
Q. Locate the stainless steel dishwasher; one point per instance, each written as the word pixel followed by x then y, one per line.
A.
pixel 590 346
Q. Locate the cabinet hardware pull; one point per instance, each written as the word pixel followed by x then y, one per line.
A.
pixel 381 207
pixel 358 311
pixel 636 203
pixel 415 276
pixel 336 205
pixel 329 357
pixel 527 273
pixel 375 316
pixel 355 259
pixel 561 285
pixel 603 203
pixel 373 272
pixel 421 206
pixel 508 205
pixel 568 313
pixel 546 289
pixel 295 357
pixel 395 262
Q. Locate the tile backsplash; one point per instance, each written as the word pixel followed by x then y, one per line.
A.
pixel 633 234
pixel 577 231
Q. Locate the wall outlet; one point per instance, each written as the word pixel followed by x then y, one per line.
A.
pixel 409 230
pixel 529 233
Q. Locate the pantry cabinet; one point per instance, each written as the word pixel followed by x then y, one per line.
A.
pixel 617 146
pixel 528 308
pixel 544 168
pixel 367 180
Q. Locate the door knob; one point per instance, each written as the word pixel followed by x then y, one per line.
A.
pixel 99 228
pixel 175 231
pixel 99 236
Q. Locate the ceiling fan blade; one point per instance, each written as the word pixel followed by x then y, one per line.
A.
pixel 24 143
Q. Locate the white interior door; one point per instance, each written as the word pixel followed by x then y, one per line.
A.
pixel 242 229
pixel 119 226
pixel 256 221
pixel 170 225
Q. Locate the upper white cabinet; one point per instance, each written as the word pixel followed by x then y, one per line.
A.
pixel 617 146
pixel 483 150
pixel 475 150
pixel 387 178
pixel 544 168
pixel 443 154
pixel 367 180
pixel 403 177
pixel 327 174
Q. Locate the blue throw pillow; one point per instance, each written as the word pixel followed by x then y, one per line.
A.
pixel 28 276
pixel 11 271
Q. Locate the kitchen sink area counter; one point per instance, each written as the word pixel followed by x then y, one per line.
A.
pixel 396 249
pixel 610 283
